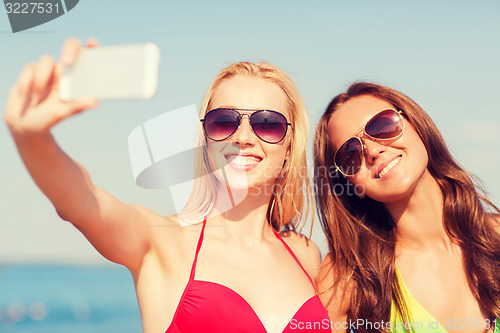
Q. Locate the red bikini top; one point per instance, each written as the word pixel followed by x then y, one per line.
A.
pixel 210 307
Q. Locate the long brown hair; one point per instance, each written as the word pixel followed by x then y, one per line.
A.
pixel 292 201
pixel 361 232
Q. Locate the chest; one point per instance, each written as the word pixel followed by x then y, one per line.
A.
pixel 265 288
pixel 439 293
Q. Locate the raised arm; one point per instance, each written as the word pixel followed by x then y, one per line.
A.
pixel 117 230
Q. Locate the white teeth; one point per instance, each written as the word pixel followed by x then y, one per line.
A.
pixel 388 167
pixel 242 160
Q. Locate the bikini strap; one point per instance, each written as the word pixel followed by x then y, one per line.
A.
pixel 296 259
pixel 200 240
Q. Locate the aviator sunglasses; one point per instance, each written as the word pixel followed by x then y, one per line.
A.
pixel 269 126
pixel 385 125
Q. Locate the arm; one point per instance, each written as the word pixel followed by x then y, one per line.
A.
pixel 117 230
pixel 336 298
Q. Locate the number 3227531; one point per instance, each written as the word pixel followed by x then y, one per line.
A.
pixel 31 8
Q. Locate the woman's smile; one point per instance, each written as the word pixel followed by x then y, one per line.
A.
pixel 242 162
pixel 384 168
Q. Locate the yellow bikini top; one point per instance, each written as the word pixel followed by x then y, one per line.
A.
pixel 422 321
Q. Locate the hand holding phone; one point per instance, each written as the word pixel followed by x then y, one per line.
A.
pixel 34 105
pixel 112 72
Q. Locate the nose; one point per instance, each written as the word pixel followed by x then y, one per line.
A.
pixel 244 134
pixel 373 150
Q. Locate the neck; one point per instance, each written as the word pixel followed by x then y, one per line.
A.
pixel 419 217
pixel 242 214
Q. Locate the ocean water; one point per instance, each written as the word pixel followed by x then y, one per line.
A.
pixel 69 299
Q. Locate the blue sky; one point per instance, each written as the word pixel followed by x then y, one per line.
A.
pixel 443 54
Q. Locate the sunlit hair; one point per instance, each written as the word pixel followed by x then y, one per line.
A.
pixel 361 233
pixel 288 209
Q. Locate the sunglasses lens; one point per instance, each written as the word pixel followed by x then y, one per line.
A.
pixel 219 124
pixel 269 126
pixel 387 124
pixel 348 157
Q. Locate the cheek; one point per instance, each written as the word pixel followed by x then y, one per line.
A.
pixel 422 158
pixel 276 157
pixel 216 158
pixel 280 153
pixel 359 181
pixel 417 149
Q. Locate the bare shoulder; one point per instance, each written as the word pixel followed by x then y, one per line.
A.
pixel 306 251
pixel 171 237
pixel 152 218
pixel 167 233
pixel 334 291
pixel 167 226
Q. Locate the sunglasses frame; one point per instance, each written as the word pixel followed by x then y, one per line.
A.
pixel 254 111
pixel 363 131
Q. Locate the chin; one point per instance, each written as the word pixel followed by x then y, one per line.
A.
pixel 252 186
pixel 403 191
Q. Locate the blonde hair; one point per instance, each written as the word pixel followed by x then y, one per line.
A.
pixel 286 207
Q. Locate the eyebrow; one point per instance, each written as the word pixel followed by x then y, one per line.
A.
pixel 227 107
pixel 356 134
pixel 363 127
pixel 244 109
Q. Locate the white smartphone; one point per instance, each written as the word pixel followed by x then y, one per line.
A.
pixel 112 72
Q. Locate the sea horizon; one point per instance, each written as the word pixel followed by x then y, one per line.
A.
pixel 60 297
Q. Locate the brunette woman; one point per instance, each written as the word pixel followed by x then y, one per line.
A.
pixel 414 242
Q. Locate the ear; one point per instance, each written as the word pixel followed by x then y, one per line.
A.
pixel 287 155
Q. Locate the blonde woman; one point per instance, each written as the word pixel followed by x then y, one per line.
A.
pixel 236 269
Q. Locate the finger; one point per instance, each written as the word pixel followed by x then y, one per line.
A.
pixel 58 72
pixel 20 94
pixel 92 42
pixel 67 109
pixel 42 83
pixel 55 82
pixel 83 104
pixel 25 81
pixel 49 114
pixel 70 51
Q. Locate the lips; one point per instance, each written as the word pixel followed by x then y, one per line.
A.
pixel 242 162
pixel 385 167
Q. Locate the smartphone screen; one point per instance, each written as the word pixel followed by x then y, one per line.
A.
pixel 112 72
